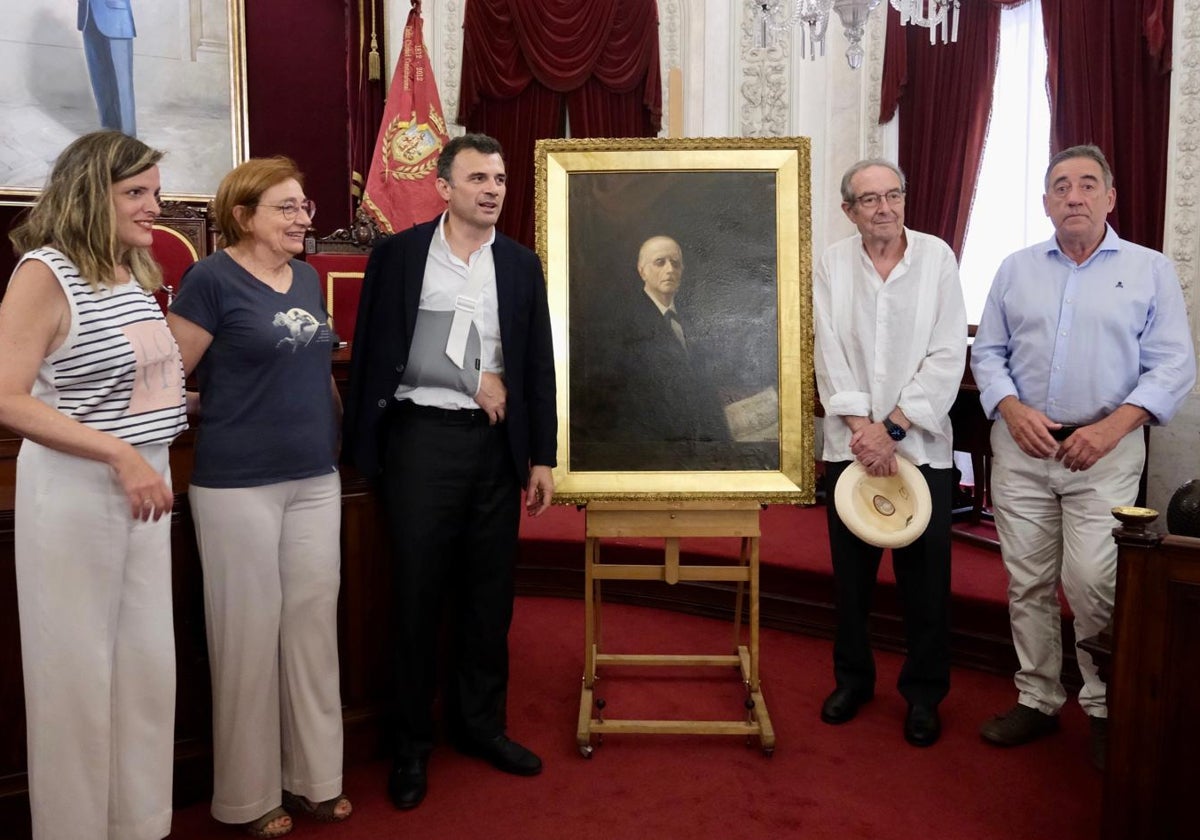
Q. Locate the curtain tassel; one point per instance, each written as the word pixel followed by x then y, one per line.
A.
pixel 373 71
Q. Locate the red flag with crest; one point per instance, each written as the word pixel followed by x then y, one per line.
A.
pixel 400 189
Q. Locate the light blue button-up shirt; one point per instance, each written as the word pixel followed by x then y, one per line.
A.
pixel 1077 341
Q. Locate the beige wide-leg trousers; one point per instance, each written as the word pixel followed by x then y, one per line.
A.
pixel 272 568
pixel 1056 526
pixel 97 650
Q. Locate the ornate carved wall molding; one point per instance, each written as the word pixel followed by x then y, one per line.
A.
pixel 671 24
pixel 763 90
pixel 876 39
pixel 447 56
pixel 1182 224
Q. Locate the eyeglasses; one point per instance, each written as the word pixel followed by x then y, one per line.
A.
pixel 869 201
pixel 291 209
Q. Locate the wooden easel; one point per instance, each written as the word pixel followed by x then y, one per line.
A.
pixel 671 521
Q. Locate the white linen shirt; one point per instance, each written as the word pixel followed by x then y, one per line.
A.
pixel 882 344
pixel 446 277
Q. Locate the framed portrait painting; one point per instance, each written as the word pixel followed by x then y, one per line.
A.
pixel 169 72
pixel 679 280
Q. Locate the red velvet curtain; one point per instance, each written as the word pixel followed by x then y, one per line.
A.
pixel 364 85
pixel 1109 64
pixel 944 94
pixel 528 63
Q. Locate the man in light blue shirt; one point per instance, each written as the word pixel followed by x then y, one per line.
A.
pixel 1083 341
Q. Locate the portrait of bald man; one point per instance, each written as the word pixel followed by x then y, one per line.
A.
pixel 655 406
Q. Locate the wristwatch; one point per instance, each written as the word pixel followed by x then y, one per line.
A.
pixel 894 431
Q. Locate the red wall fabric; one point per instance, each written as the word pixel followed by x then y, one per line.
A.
pixel 1109 78
pixel 518 123
pixel 561 43
pixel 296 96
pixel 521 56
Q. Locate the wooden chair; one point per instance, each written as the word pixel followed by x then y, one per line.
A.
pixel 182 235
pixel 340 260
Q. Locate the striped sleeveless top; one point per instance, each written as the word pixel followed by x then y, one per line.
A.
pixel 119 369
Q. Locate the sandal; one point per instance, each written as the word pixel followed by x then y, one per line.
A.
pixel 262 829
pixel 326 811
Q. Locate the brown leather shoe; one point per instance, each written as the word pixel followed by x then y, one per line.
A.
pixel 1098 743
pixel 1019 725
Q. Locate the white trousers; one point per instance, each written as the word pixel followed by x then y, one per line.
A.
pixel 272 567
pixel 1056 526
pixel 97 650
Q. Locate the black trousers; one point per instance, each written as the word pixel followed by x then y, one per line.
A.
pixel 453 508
pixel 923 578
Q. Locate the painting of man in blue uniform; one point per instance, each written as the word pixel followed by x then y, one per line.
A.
pixel 108 33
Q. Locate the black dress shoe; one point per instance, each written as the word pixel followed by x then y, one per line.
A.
pixel 842 705
pixel 407 783
pixel 922 726
pixel 504 754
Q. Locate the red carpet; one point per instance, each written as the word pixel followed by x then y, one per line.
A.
pixel 859 780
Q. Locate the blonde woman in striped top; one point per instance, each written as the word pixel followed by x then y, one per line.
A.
pixel 91 377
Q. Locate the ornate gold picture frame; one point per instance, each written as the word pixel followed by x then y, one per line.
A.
pixel 679 275
pixel 188 89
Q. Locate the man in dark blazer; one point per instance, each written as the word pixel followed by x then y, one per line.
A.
pixel 108 33
pixel 451 464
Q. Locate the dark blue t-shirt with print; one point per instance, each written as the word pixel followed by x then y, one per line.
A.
pixel 266 401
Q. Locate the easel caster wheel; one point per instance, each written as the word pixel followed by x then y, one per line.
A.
pixel 749 704
pixel 586 750
pixel 600 704
pixel 768 751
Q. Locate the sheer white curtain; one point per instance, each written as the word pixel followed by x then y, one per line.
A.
pixel 1007 213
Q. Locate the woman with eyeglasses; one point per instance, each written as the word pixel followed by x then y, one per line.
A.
pixel 91 379
pixel 266 499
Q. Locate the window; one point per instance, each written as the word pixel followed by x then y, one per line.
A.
pixel 1007 213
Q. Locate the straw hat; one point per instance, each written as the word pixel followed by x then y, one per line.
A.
pixel 888 511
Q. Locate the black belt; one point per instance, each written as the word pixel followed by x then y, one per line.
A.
pixel 457 416
pixel 1063 433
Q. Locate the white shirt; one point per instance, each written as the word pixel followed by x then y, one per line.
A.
pixel 446 277
pixel 882 344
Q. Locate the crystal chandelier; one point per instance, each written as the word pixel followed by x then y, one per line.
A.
pixel 932 14
pixel 773 17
